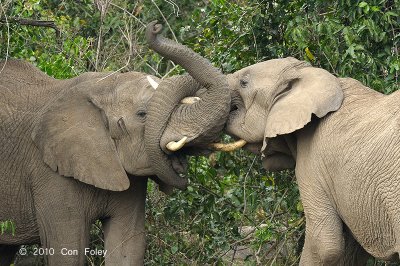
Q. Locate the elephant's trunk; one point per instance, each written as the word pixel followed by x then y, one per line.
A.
pixel 200 120
pixel 160 108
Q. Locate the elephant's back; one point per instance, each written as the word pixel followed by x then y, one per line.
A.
pixel 24 89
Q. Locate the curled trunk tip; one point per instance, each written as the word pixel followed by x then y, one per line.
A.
pixel 152 30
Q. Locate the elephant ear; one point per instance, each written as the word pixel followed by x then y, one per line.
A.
pixel 299 93
pixel 74 141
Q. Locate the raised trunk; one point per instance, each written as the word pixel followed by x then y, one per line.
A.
pixel 160 108
pixel 208 114
pixel 194 121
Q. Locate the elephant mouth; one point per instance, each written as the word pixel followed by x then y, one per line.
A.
pixel 235 108
pixel 180 163
pixel 253 147
pixel 236 112
pixel 180 159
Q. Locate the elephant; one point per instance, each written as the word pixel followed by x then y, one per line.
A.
pixel 343 141
pixel 77 150
pixel 329 131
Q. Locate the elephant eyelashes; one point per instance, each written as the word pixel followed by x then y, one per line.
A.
pixel 142 114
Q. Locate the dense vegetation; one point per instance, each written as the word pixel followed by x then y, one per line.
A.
pixel 233 211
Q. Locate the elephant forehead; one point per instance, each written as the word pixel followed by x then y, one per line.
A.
pixel 133 91
pixel 270 70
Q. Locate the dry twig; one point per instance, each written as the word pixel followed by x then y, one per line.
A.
pixel 32 22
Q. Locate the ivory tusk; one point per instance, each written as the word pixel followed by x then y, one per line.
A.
pixel 152 82
pixel 229 146
pixel 190 100
pixel 174 146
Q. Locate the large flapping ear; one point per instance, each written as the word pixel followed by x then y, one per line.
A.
pixel 74 141
pixel 301 92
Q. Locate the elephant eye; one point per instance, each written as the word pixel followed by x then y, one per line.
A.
pixel 141 114
pixel 243 83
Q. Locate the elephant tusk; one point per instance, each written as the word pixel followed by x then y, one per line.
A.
pixel 227 147
pixel 174 146
pixel 152 82
pixel 190 100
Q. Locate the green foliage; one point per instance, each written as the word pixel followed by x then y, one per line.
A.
pixel 348 38
pixel 225 33
pixel 96 243
pixel 358 40
pixel 7 227
pixel 233 211
pixel 231 203
pixel 61 58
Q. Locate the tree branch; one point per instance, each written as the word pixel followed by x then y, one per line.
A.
pixel 32 22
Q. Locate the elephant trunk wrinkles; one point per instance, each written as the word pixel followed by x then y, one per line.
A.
pixel 211 112
pixel 200 120
pixel 158 111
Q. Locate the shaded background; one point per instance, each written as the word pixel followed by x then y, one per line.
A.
pixel 233 212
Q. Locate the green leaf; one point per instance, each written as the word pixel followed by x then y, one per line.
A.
pixel 362 4
pixel 299 207
pixel 390 13
pixel 375 8
pixel 174 249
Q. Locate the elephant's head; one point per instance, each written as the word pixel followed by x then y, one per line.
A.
pixel 93 130
pixel 277 97
pixel 102 127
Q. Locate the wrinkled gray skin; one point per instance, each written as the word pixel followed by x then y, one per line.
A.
pixel 342 138
pixel 201 122
pixel 56 128
pixel 73 151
